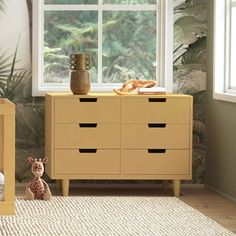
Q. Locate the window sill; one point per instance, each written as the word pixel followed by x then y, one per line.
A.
pixel 228 97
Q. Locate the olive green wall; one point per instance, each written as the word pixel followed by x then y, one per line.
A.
pixel 221 132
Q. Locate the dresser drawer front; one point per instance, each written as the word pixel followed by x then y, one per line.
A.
pixel 75 136
pixel 99 110
pixel 142 136
pixel 71 162
pixel 142 162
pixel 167 110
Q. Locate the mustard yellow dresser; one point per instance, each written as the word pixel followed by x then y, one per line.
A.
pixel 7 156
pixel 107 136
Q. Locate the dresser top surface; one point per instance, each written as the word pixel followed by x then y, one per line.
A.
pixel 5 101
pixel 6 106
pixel 114 95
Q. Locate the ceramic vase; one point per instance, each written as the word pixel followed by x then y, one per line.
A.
pixel 79 80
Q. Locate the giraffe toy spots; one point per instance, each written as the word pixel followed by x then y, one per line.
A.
pixel 37 188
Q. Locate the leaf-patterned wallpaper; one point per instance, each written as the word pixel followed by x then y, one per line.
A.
pixel 189 66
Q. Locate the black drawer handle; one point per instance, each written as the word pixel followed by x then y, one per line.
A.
pixel 156 150
pixel 88 99
pixel 87 125
pixel 87 150
pixel 157 99
pixel 154 125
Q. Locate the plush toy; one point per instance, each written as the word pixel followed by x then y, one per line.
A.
pixel 37 188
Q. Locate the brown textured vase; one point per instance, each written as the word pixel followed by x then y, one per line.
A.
pixel 79 81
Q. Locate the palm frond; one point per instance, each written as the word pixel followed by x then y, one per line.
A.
pixel 197 52
pixel 2 5
pixel 7 89
pixel 14 58
pixel 6 65
pixel 10 77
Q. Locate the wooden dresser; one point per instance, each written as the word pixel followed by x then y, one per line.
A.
pixel 7 155
pixel 106 136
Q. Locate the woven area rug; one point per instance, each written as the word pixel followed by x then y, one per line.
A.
pixel 108 215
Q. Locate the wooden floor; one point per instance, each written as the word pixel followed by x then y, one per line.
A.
pixel 211 204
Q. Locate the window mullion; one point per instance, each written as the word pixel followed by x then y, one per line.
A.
pixel 165 54
pixel 222 89
pixel 100 23
pixel 231 48
pixel 233 3
pixel 227 44
pixel 158 45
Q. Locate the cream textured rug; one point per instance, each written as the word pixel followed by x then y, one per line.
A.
pixel 108 215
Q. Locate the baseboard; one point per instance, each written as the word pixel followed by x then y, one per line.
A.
pixel 219 192
pixel 117 185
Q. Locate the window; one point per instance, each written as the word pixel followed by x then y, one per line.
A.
pixel 232 80
pixel 225 50
pixel 125 39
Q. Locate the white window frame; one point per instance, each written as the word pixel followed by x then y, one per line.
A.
pixel 221 52
pixel 165 49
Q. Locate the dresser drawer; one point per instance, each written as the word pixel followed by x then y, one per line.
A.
pixel 143 162
pixel 87 135
pixel 75 162
pixel 155 135
pixel 87 109
pixel 155 109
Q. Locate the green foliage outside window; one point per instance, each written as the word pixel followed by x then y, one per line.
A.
pixel 128 46
pixel 67 32
pixel 71 1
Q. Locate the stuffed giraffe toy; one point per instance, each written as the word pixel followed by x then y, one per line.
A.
pixel 37 188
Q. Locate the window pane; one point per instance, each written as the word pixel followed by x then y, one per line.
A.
pixel 70 1
pixel 130 1
pixel 129 45
pixel 233 49
pixel 67 32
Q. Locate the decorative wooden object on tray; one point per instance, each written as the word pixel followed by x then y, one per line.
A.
pixel 7 156
pixel 133 84
pixel 105 136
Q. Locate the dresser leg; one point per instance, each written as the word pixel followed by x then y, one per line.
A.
pixel 176 185
pixel 165 184
pixel 65 187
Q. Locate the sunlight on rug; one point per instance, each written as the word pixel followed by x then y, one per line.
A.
pixel 108 215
